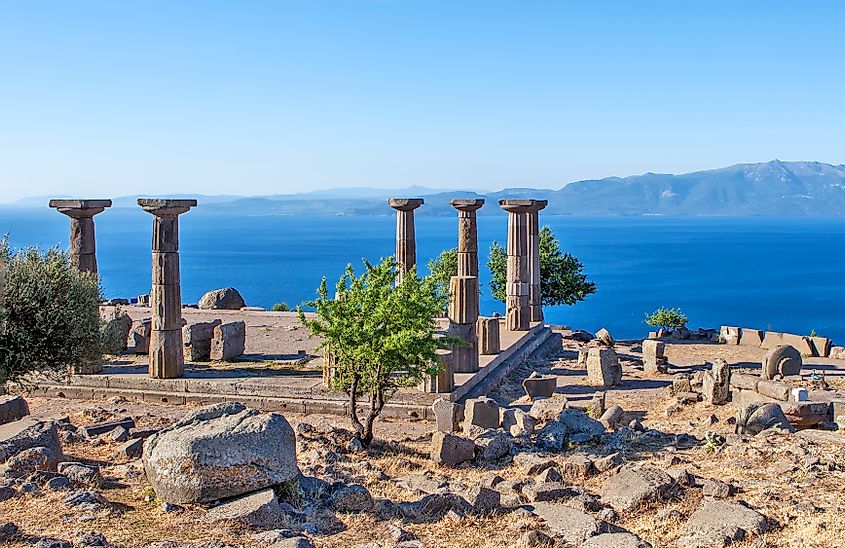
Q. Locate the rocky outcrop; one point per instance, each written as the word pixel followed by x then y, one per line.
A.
pixel 28 433
pixel 220 451
pixel 12 408
pixel 227 298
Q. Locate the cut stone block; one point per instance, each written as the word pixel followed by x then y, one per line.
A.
pixel 229 341
pixel 729 335
pixel 447 415
pixel 451 450
pixel 197 340
pixel 258 510
pixel 483 412
pixel 716 383
pixel 603 367
pixel 538 386
pixel 489 340
pixel 750 337
pixel 12 408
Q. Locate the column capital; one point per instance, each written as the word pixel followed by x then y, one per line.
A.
pixel 537 205
pixel 80 209
pixel 405 204
pixel 516 206
pixel 467 204
pixel 163 207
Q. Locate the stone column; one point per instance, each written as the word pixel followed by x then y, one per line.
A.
pixel 518 309
pixel 463 315
pixel 83 244
pixel 468 236
pixel 166 351
pixel 406 243
pixel 444 380
pixel 535 295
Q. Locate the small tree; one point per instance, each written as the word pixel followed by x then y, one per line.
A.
pixel 667 318
pixel 380 336
pixel 281 307
pixel 442 268
pixel 562 278
pixel 50 318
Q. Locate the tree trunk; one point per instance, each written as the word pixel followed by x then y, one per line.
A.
pixel 353 410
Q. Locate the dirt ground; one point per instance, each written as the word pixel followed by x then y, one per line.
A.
pixel 805 502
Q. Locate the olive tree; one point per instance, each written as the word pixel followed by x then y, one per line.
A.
pixel 49 318
pixel 380 335
pixel 667 318
pixel 562 278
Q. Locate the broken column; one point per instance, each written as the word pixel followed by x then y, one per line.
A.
pixel 489 341
pixel 83 244
pixel 166 351
pixel 444 380
pixel 463 315
pixel 716 382
pixel 603 367
pixel 518 309
pixel 467 236
pixel 654 357
pixel 228 341
pixel 406 243
pixel 535 295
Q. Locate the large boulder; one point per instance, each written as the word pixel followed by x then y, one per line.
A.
pixel 227 298
pixel 220 451
pixel 571 425
pixel 12 408
pixel 259 510
pixel 756 417
pixel 28 433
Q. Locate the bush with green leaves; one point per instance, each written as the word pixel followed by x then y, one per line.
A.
pixel 562 278
pixel 49 321
pixel 281 307
pixel 667 318
pixel 442 268
pixel 380 335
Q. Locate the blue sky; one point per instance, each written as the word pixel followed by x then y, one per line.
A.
pixel 112 98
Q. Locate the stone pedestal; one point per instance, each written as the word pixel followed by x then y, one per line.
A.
pixel 406 243
pixel 518 282
pixel 166 350
pixel 83 244
pixel 535 295
pixel 489 340
pixel 463 315
pixel 468 236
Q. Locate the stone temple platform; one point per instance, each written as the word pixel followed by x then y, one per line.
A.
pixel 271 378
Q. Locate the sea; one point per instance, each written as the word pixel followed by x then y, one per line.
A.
pixel 785 274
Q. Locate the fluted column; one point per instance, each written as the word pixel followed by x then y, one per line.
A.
pixel 535 295
pixel 463 315
pixel 83 244
pixel 406 243
pixel 518 309
pixel 166 352
pixel 468 236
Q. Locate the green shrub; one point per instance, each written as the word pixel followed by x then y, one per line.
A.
pixel 442 268
pixel 281 307
pixel 562 278
pixel 667 318
pixel 50 318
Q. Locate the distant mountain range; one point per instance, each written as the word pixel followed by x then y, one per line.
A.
pixel 770 188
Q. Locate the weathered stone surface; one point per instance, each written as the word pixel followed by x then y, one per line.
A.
pixel 539 386
pixel 482 500
pixel 608 463
pixel 517 422
pixel 12 408
pixel 227 298
pixel 717 489
pixel 654 359
pixel 492 445
pixel 744 381
pixel 631 487
pixel 81 474
pixel 603 367
pixel 546 491
pixel 121 326
pixel 612 417
pixel 756 417
pixel 229 341
pixel 259 510
pixel 132 448
pixel 447 415
pixel 719 523
pixel 489 339
pixel 483 412
pixel 604 337
pixel 518 271
pixel 533 463
pixel 807 413
pixel 571 425
pixel 548 409
pixel 100 428
pixel 729 335
pixel 444 380
pixel 27 433
pixel 750 337
pixel 406 240
pixel 774 389
pixel 463 299
pixel 781 360
pixel 139 335
pixel 803 344
pixel 451 450
pixel 28 462
pixel 571 524
pixel 220 451
pixel 578 465
pixel 716 383
pixel 821 346
pixel 615 540
pixel 197 339
pixel 353 498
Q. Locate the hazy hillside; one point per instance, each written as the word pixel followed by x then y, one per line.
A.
pixel 771 188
